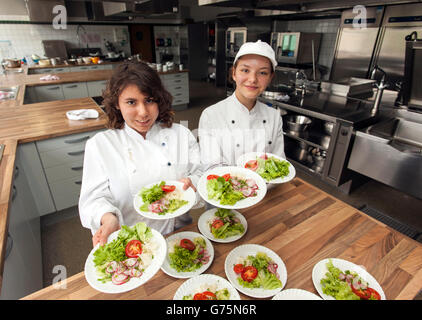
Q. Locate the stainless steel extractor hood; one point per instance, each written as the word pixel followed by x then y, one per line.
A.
pixel 141 8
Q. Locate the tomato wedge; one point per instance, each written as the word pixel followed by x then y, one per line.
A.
pixel 133 248
pixel 167 188
pixel 367 293
pixel 187 244
pixel 251 164
pixel 217 224
pixel 212 176
pixel 226 176
pixel 238 268
pixel 199 296
pixel 249 273
pixel 209 295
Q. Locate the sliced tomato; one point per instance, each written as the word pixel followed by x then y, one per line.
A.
pixel 167 188
pixel 238 268
pixel 199 296
pixel 187 244
pixel 251 164
pixel 367 293
pixel 133 248
pixel 209 295
pixel 217 224
pixel 212 176
pixel 264 156
pixel 226 176
pixel 249 273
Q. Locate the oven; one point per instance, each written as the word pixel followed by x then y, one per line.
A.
pixel 235 37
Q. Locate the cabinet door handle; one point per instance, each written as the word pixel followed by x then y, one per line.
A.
pixel 179 94
pixel 14 193
pixel 77 168
pixel 9 245
pixel 78 182
pixel 76 153
pixel 72 86
pixel 16 172
pixel 54 88
pixel 178 88
pixel 77 140
pixel 177 80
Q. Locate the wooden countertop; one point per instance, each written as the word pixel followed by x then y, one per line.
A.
pixel 303 225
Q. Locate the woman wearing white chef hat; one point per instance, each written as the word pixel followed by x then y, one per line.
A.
pixel 142 146
pixel 240 123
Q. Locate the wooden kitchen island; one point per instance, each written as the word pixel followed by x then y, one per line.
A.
pixel 303 225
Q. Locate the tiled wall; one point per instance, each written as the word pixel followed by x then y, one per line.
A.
pixel 328 28
pixel 26 38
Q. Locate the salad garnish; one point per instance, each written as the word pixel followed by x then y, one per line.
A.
pixel 188 255
pixel 161 199
pixel 269 168
pixel 127 256
pixel 210 293
pixel 229 189
pixel 225 224
pixel 258 271
pixel 346 285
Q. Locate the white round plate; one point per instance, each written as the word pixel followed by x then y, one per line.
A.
pixel 253 249
pixel 243 159
pixel 175 239
pixel 108 287
pixel 320 269
pixel 197 283
pixel 234 171
pixel 188 195
pixel 204 227
pixel 295 294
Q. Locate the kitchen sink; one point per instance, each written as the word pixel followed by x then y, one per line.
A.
pixel 8 93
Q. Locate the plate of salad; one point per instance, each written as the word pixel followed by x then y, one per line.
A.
pixel 188 254
pixel 231 187
pixel 164 200
pixel 272 168
pixel 206 287
pixel 255 271
pixel 338 279
pixel 131 256
pixel 295 294
pixel 222 225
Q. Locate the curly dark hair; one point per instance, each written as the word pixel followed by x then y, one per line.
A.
pixel 148 82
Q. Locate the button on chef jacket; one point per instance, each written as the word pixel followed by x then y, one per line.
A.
pixel 228 129
pixel 119 162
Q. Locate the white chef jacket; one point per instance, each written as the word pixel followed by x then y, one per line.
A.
pixel 228 129
pixel 119 162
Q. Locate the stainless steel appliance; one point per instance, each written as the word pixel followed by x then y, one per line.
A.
pixel 235 37
pixel 355 46
pixel 296 47
pixel 412 86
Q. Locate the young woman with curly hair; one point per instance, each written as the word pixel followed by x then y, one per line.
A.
pixel 141 146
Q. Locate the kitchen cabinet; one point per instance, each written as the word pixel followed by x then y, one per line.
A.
pixel 22 273
pixel 75 90
pixel 95 88
pixel 49 93
pixel 62 162
pixel 177 85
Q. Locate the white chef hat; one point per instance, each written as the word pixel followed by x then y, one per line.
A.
pixel 260 48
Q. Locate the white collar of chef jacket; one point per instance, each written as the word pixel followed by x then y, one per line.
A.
pixel 136 135
pixel 242 108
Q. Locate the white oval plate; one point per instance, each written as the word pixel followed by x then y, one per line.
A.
pixel 243 159
pixel 188 195
pixel 108 287
pixel 320 269
pixel 195 284
pixel 295 294
pixel 175 238
pixel 242 172
pixel 253 249
pixel 204 227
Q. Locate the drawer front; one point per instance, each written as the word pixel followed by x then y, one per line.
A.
pixel 60 70
pixel 77 139
pixel 62 156
pixel 49 93
pixel 75 90
pixel 176 82
pixel 66 192
pixel 106 67
pixel 95 88
pixel 65 171
pixel 78 69
pixel 175 76
pixel 181 100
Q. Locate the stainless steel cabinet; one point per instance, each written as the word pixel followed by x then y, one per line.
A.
pixel 177 85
